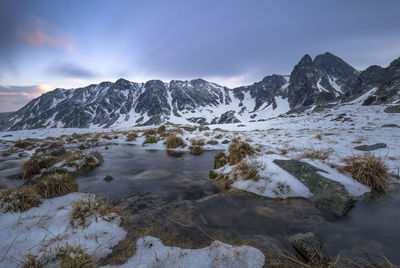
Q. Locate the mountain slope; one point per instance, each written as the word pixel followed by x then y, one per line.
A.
pixel 325 79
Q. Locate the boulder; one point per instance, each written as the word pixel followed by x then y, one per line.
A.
pixel 368 148
pixel 326 194
pixel 392 109
pixel 390 125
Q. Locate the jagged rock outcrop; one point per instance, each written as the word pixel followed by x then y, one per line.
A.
pixel 382 84
pixel 325 79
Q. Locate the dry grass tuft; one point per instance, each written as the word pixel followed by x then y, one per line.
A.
pixel 74 257
pixel 107 137
pixel 56 184
pixel 247 171
pixel 150 139
pixel 196 142
pixel 174 141
pixel 368 170
pixel 150 132
pixel 320 154
pixel 238 150
pixel 23 144
pixel 83 209
pixel 32 261
pixel 319 137
pixel 220 160
pixel 131 136
pixel 212 142
pixel 34 165
pixel 224 181
pixel 161 129
pixel 196 149
pixel 19 199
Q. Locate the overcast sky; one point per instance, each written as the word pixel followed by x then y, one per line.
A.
pixel 46 44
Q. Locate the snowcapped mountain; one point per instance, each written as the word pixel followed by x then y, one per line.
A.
pixel 325 79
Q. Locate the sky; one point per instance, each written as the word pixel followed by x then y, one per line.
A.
pixel 45 44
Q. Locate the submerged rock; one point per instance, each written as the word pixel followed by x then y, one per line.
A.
pixel 327 194
pixel 108 178
pixel 368 148
pixel 307 245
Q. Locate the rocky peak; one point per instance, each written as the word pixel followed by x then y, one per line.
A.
pixel 326 78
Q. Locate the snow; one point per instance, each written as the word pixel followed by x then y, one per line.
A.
pixel 150 252
pixel 352 186
pixel 274 182
pixel 49 225
pixel 363 97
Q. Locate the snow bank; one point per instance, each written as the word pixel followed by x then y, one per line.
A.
pixel 49 226
pixel 150 252
pixel 274 182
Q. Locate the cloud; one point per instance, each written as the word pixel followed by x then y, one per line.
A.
pixel 39 38
pixel 70 70
pixel 14 97
pixel 40 33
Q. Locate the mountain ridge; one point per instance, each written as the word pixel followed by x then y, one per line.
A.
pixel 324 79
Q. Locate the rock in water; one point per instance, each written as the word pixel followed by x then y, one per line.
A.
pixel 327 194
pixel 307 245
pixel 368 148
pixel 108 178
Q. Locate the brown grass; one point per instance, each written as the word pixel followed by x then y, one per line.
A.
pixel 150 132
pixel 224 181
pixel 368 170
pixel 320 154
pixel 238 150
pixel 150 139
pixel 247 171
pixel 174 141
pixel 131 136
pixel 74 257
pixel 196 142
pixel 56 184
pixel 196 149
pixel 19 199
pixel 220 160
pixel 32 261
pixel 23 144
pixel 212 142
pixel 83 209
pixel 107 137
pixel 161 129
pixel 34 165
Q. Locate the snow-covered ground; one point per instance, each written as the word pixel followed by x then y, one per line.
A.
pixel 335 130
pixel 150 252
pixel 41 230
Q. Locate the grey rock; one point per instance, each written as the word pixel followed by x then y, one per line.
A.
pixel 58 152
pixel 306 245
pixel 108 178
pixel 368 148
pixel 392 109
pixel 390 125
pixel 327 194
